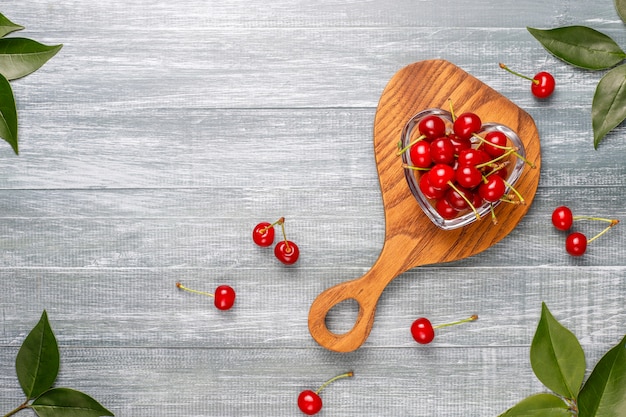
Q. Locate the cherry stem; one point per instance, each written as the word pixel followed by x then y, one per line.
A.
pixel 612 223
pixel 472 318
pixel 182 287
pixel 279 221
pixel 497 167
pixel 465 198
pixel 602 219
pixel 519 196
pixel 494 160
pixel 333 379
pixel 511 150
pixel 494 219
pixel 483 140
pixel 407 147
pixel 452 115
pixel 282 226
pixel 504 67
pixel 526 161
pixel 414 167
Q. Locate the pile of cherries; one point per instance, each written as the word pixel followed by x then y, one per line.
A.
pixel 460 169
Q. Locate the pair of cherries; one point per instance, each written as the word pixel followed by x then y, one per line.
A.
pixel 576 242
pixel 285 251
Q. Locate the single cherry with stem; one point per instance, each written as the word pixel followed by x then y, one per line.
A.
pixel 495 143
pixel 224 296
pixel 442 151
pixel 263 233
pixel 562 218
pixel 430 127
pixel 310 401
pixel 466 125
pixel 424 332
pixel 576 244
pixel 420 155
pixel 286 251
pixel 543 83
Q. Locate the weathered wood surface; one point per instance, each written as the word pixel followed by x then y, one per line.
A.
pixel 164 131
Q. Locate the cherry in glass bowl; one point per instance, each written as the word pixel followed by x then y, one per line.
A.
pixel 513 164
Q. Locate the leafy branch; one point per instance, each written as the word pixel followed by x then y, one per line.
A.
pixel 18 58
pixel 558 361
pixel 586 48
pixel 37 367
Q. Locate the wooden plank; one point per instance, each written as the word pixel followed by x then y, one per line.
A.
pixel 223 381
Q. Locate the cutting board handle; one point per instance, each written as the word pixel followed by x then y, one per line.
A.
pixel 366 291
pixel 364 295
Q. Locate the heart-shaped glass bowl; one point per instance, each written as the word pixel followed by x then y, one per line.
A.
pixel 515 166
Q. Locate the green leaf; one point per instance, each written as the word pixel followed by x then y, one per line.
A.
pixel 580 46
pixel 37 362
pixel 608 108
pixel 66 402
pixel 539 405
pixel 556 357
pixel 8 114
pixel 604 393
pixel 620 7
pixel 21 56
pixel 6 26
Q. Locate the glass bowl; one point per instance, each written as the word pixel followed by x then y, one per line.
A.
pixel 514 166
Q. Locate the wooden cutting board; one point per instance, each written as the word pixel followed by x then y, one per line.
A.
pixel 411 239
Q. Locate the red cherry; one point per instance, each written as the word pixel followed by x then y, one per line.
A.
pixel 477 201
pixel 459 144
pixel 309 402
pixel 440 175
pixel 466 124
pixel 263 234
pixel 420 154
pixel 454 198
pixel 224 297
pixel 493 189
pixel 576 244
pixel 495 143
pixel 287 252
pixel 468 176
pixel 422 331
pixel 428 190
pixel 472 157
pixel 442 151
pixel 543 85
pixel 445 209
pixel 432 127
pixel 562 218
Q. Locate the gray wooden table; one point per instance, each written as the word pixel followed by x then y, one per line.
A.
pixel 164 131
